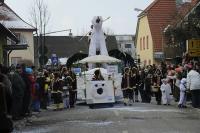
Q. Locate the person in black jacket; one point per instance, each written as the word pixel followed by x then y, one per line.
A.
pixel 73 90
pixel 134 74
pixel 8 86
pixel 26 105
pixel 6 125
pixel 127 87
pixel 140 83
pixel 148 83
pixel 18 87
pixel 57 91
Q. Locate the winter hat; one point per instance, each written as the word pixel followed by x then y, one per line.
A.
pixel 183 80
pixel 179 69
pixel 164 80
pixel 29 70
pixel 189 65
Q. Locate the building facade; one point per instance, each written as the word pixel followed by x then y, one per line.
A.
pixel 23 31
pixel 149 34
pixel 126 44
pixel 144 42
pixel 5 34
pixel 151 42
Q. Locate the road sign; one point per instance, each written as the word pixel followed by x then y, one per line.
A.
pixel 112 69
pixel 194 47
pixel 77 70
pixel 194 53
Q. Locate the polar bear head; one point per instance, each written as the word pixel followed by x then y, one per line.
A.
pixel 97 22
pixel 99 90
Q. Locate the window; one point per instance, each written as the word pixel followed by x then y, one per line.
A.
pixel 127 45
pixel 147 42
pixel 187 1
pixel 15 60
pixel 144 43
pixel 17 35
pixel 145 62
pixel 149 62
pixel 121 38
pixel 140 44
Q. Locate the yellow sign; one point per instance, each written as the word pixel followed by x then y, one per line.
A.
pixel 194 47
pixel 194 53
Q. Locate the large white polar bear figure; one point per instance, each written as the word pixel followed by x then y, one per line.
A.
pixel 97 38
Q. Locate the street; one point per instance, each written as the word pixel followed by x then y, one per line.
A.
pixel 139 118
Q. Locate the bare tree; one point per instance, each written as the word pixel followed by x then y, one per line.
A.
pixel 40 17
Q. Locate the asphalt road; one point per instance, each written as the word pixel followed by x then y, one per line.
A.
pixel 139 118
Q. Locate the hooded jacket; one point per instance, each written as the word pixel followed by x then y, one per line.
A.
pixel 183 85
pixel 193 80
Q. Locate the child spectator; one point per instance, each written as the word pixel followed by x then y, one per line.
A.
pixel 166 92
pixel 182 100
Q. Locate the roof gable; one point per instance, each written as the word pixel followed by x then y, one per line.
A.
pixel 160 15
pixel 148 8
pixel 11 20
pixel 7 32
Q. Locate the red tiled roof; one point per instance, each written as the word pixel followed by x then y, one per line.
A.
pixel 159 16
pixel 160 13
pixel 148 8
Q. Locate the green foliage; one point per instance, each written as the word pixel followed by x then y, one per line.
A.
pixel 189 28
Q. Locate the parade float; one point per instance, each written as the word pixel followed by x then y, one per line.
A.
pixel 103 90
pixel 100 91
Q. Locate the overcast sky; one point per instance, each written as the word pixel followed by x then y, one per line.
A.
pixel 77 14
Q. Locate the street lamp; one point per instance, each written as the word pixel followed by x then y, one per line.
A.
pixel 70 33
pixel 138 10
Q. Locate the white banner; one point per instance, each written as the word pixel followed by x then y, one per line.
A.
pixel 112 69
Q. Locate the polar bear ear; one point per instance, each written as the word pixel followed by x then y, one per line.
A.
pixel 94 20
pixel 91 26
pixel 101 18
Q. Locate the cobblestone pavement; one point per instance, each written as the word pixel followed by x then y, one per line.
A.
pixel 139 118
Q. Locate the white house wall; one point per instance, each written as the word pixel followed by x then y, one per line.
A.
pixel 25 54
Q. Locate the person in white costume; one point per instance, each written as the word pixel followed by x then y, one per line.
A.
pixel 166 91
pixel 182 100
pixel 97 42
